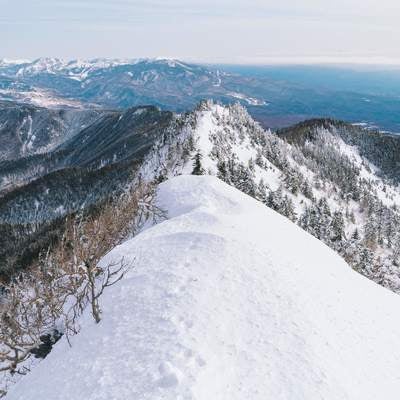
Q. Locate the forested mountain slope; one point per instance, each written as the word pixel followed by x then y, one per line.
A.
pixel 26 130
pixel 100 163
pixel 381 149
pixel 322 175
pixel 101 157
pixel 336 181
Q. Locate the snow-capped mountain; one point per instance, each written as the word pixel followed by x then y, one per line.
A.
pixel 227 300
pixel 82 69
pixel 76 69
pixel 175 85
pixel 120 83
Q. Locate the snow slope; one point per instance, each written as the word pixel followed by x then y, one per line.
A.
pixel 228 301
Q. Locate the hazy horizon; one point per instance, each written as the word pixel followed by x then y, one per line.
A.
pixel 235 32
pixel 360 63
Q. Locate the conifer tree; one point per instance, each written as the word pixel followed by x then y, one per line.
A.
pixel 261 194
pixel 370 237
pixel 355 235
pixel 223 171
pixel 197 168
pixel 366 260
pixel 287 208
pixel 337 227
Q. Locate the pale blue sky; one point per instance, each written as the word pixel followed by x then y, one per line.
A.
pixel 203 30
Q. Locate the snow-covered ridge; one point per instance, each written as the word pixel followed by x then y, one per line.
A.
pixel 80 69
pixel 7 62
pixel 73 68
pixel 217 307
pixel 322 184
pixel 40 98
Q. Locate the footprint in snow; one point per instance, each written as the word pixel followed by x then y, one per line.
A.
pixel 170 375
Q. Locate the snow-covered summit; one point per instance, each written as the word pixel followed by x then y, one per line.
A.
pixel 81 68
pixel 77 67
pixel 218 308
pixel 6 62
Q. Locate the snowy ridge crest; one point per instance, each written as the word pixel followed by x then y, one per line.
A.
pixel 325 183
pixel 217 307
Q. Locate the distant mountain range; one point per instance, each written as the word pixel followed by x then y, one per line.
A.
pixel 276 97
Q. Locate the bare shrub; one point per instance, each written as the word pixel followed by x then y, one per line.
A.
pixel 30 309
pixel 54 293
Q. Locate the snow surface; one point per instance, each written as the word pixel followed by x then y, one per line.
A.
pixel 250 100
pixel 80 70
pixel 39 97
pixel 228 300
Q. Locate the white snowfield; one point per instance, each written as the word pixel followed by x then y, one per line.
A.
pixel 228 301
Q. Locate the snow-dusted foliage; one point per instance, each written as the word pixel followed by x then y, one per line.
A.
pixel 39 305
pixel 314 178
